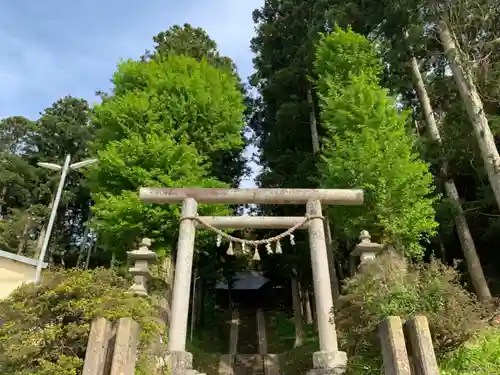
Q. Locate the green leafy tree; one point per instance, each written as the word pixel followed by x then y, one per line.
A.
pixel 160 127
pixel 26 190
pixel 193 42
pixel 64 128
pixel 227 165
pixel 367 146
pixel 410 41
pixel 20 211
pixel 284 117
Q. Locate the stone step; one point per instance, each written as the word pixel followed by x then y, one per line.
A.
pixel 248 364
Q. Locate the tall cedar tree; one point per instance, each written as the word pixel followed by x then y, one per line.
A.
pixel 367 146
pixel 416 63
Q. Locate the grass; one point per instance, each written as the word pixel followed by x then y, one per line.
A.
pixel 480 356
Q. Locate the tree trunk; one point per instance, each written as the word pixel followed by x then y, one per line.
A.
pixel 442 251
pixel 314 314
pixel 313 123
pixel 83 245
pixel 297 313
pixel 334 279
pixel 464 234
pixel 23 238
pixel 334 282
pixel 302 304
pixel 2 201
pixel 202 308
pixel 306 304
pixel 474 107
pixel 113 260
pixel 199 300
pixel 166 300
pixel 93 246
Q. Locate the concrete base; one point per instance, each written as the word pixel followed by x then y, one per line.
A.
pixel 329 363
pixel 181 363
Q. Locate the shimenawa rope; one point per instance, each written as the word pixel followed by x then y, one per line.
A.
pixel 255 243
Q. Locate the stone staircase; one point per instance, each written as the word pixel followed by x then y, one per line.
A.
pixel 248 364
pixel 248 336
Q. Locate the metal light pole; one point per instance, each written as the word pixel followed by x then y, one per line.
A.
pixel 64 172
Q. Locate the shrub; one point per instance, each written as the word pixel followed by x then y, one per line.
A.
pixel 392 286
pixel 46 326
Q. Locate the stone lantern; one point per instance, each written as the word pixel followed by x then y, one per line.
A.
pixel 141 259
pixel 366 250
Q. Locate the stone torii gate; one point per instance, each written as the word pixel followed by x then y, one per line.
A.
pixel 329 359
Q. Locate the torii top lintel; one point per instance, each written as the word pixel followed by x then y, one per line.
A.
pixel 351 197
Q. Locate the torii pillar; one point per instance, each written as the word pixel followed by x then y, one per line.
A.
pixel 329 360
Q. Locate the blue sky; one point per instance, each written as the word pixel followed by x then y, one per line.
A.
pixel 53 48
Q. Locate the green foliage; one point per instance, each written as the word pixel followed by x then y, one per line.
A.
pixel 178 96
pixel 391 286
pixel 45 327
pixel 15 232
pixel 193 42
pixel 18 179
pixel 480 356
pixel 227 165
pixel 26 189
pixel 367 147
pixel 342 56
pixel 282 116
pixel 64 128
pixel 20 212
pixel 161 127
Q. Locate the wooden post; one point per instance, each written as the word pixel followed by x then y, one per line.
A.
pixel 97 347
pixel 125 351
pixel 422 350
pixel 393 345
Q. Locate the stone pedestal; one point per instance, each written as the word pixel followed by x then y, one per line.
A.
pixel 329 363
pixel 181 363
